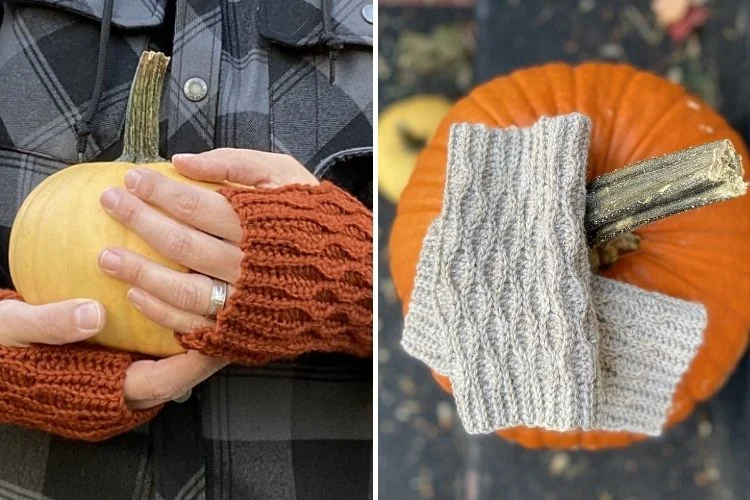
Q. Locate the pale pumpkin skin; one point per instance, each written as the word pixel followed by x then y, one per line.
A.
pixel 55 243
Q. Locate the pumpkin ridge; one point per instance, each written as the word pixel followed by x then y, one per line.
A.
pixel 496 100
pixel 656 260
pixel 513 78
pixel 554 88
pixel 636 155
pixel 695 256
pixel 481 107
pixel 38 282
pixel 616 114
pixel 618 100
pixel 506 119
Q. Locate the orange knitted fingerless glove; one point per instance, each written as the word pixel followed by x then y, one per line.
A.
pixel 74 391
pixel 306 281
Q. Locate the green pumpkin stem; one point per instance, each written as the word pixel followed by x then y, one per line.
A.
pixel 644 192
pixel 141 139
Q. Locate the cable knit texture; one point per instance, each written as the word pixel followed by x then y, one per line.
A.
pixel 306 281
pixel 74 391
pixel 504 303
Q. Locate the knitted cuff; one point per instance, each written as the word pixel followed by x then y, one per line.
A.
pixel 647 341
pixel 306 281
pixel 512 289
pixel 73 391
pixel 423 338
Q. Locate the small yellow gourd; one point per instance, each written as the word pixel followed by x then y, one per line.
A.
pixel 404 128
pixel 61 228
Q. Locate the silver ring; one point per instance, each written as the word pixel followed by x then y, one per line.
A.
pixel 218 298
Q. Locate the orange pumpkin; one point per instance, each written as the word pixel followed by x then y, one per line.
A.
pixel 700 255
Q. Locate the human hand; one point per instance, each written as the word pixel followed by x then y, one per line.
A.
pixel 150 383
pixel 202 235
pixel 57 323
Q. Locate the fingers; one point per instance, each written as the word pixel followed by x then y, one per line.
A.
pixel 189 292
pixel 191 248
pixel 203 209
pixel 58 323
pixel 166 315
pixel 243 166
pixel 149 383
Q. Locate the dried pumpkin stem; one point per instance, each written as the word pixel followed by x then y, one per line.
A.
pixel 606 254
pixel 141 139
pixel 653 189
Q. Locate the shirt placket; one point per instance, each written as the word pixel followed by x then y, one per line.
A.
pixel 190 113
pixel 193 85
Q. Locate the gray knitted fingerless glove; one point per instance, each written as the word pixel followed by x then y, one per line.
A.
pixel 503 301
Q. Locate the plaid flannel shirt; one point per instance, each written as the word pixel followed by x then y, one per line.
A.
pixel 298 429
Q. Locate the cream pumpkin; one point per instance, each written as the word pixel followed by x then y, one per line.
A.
pixel 61 228
pixel 54 246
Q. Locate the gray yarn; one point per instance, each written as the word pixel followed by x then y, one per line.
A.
pixel 503 300
pixel 423 337
pixel 647 341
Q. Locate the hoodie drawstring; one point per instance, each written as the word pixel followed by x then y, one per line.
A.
pixel 83 126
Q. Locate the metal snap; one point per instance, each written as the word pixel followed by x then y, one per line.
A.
pixel 195 89
pixel 367 13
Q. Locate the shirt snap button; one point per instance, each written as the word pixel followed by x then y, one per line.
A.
pixel 367 12
pixel 195 89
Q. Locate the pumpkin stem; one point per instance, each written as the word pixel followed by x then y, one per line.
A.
pixel 411 140
pixel 141 139
pixel 653 189
pixel 606 254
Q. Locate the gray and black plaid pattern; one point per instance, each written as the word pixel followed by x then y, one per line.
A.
pixel 299 429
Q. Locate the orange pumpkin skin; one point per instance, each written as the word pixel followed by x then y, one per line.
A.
pixel 700 255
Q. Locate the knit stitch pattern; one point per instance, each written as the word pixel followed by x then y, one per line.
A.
pixel 73 391
pixel 306 280
pixel 423 336
pixel 511 286
pixel 647 341
pixel 503 302
pixel 306 285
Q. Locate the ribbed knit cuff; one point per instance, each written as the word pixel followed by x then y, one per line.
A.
pixel 423 337
pixel 306 281
pixel 647 343
pixel 73 391
pixel 512 289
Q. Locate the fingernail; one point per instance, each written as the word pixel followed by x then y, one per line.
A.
pixel 109 199
pixel 182 156
pixel 137 297
pixel 132 178
pixel 110 261
pixel 88 317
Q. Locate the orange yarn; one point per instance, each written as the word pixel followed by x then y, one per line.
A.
pixel 306 282
pixel 75 391
pixel 306 285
